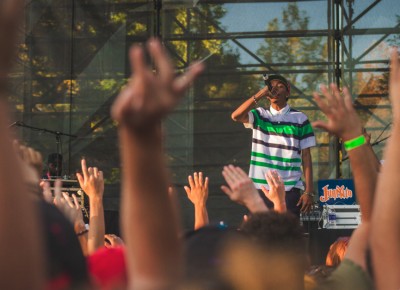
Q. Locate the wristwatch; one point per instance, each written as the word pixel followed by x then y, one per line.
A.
pixel 310 193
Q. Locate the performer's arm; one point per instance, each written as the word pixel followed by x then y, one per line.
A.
pixel 241 114
pixel 306 200
pixel 307 169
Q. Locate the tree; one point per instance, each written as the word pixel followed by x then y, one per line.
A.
pixel 292 50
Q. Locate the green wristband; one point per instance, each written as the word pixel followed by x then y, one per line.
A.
pixel 354 143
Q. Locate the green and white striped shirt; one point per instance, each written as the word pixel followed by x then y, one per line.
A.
pixel 278 138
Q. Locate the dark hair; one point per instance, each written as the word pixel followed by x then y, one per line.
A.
pixel 64 255
pixel 276 232
pixel 269 78
pixel 203 256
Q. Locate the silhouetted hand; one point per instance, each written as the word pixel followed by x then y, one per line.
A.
pixel 148 97
pixel 343 120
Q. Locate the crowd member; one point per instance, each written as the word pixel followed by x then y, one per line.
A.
pixel 344 122
pixel 197 193
pixel 70 207
pixel 21 241
pixel 150 230
pixel 385 222
pixel 272 239
pixel 92 183
pixel 282 138
pixel 271 254
pixel 272 242
pixel 203 255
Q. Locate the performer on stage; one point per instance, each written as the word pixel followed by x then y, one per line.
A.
pixel 282 138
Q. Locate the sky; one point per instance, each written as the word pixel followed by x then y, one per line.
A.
pixel 255 16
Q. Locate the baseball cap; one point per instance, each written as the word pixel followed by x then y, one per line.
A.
pixel 269 78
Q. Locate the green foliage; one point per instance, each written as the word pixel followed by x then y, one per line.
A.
pixel 218 54
pixel 293 50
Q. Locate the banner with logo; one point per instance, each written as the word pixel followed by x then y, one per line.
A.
pixel 336 192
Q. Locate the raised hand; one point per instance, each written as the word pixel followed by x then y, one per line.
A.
pixel 241 189
pixel 198 194
pixel 276 193
pixel 76 211
pixel 198 190
pixel 91 181
pixel 61 203
pixel 343 120
pixel 148 97
pixel 139 108
pixel 47 195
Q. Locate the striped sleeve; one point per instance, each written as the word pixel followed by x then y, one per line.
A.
pixel 307 138
pixel 252 119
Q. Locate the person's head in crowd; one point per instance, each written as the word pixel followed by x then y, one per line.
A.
pixel 203 248
pixel 337 251
pixel 272 254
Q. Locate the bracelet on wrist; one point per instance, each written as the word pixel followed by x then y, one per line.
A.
pixel 355 143
pixel 309 193
pixel 255 100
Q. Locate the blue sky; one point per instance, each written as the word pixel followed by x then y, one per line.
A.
pixel 255 16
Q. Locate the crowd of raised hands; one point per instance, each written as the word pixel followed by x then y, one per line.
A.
pixel 46 243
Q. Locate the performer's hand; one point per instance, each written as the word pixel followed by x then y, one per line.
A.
pixel 343 120
pixel 264 92
pixel 306 203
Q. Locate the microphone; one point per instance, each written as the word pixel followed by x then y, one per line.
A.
pixel 265 78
